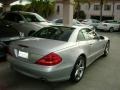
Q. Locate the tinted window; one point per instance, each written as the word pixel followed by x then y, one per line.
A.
pixel 80 36
pixel 13 17
pixel 59 21
pixel 55 33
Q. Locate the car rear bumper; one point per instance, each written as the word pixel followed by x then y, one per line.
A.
pixel 48 73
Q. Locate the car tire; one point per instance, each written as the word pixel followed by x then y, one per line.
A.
pixel 106 51
pixel 78 70
pixel 111 29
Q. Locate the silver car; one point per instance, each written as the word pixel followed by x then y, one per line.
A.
pixel 24 22
pixel 57 52
pixel 75 23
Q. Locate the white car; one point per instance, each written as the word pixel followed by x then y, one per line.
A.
pixel 91 22
pixel 109 25
pixel 75 23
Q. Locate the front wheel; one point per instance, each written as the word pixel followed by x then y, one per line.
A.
pixel 78 70
pixel 111 29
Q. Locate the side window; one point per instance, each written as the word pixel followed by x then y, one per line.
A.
pixel 80 36
pixel 8 17
pixel 59 21
pixel 96 21
pixel 17 18
pixel 13 17
pixel 89 34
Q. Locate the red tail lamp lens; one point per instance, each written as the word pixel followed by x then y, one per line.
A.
pixel 49 60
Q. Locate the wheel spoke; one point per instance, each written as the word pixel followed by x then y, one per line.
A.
pixel 80 69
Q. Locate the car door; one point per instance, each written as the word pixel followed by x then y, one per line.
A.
pixel 95 23
pixel 95 45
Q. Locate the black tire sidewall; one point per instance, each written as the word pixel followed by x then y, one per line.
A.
pixel 73 78
pixel 111 29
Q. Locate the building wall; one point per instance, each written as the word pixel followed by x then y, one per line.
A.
pixel 90 11
pixel 93 12
pixel 58 13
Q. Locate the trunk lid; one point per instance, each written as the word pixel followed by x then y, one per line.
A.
pixel 35 48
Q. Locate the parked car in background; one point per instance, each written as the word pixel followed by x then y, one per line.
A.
pixel 25 22
pixel 57 52
pixel 75 22
pixel 60 21
pixel 109 25
pixel 7 34
pixel 92 22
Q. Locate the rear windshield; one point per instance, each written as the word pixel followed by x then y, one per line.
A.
pixel 55 33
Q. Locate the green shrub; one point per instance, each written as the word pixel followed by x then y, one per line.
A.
pixel 17 8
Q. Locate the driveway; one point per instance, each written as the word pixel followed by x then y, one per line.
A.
pixel 103 74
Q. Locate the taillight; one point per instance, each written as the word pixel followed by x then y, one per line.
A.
pixel 49 60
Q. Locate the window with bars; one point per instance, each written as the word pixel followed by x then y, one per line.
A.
pixel 107 7
pixel 118 7
pixel 96 7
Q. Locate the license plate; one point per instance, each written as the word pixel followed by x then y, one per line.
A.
pixel 23 54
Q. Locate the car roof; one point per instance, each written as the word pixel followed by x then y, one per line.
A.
pixel 74 26
pixel 21 12
pixel 62 19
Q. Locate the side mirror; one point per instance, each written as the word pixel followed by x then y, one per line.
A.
pixel 101 37
pixel 21 21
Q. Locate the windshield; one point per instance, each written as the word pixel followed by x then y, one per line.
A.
pixel 33 17
pixel 110 21
pixel 54 33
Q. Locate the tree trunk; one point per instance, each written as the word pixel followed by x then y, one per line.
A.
pixel 101 7
pixel 78 11
pixel 113 8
